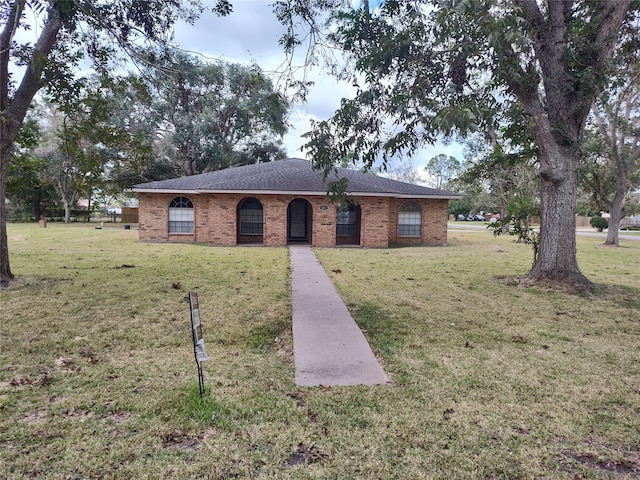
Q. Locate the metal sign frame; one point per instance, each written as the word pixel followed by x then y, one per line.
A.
pixel 198 341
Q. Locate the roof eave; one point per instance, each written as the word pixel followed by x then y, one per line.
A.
pixel 404 195
pixel 174 191
pixel 324 193
pixel 295 192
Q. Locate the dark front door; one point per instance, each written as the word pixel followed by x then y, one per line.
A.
pixel 298 224
pixel 348 225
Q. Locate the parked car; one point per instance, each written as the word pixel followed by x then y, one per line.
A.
pixel 478 218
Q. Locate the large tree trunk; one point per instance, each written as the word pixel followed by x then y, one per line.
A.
pixel 5 154
pixel 7 135
pixel 559 119
pixel 615 216
pixel 557 261
pixel 12 113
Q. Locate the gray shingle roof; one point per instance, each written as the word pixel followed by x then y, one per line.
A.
pixel 290 175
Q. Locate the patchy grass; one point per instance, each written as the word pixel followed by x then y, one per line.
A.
pixel 489 380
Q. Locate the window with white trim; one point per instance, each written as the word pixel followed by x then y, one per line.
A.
pixel 251 222
pixel 410 220
pixel 181 215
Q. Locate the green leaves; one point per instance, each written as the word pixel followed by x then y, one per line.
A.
pixel 213 115
pixel 517 223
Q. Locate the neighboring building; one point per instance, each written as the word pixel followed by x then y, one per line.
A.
pixel 283 202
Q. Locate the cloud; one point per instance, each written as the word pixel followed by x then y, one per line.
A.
pixel 250 35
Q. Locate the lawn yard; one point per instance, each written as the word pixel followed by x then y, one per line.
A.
pixel 489 380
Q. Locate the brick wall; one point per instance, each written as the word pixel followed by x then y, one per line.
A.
pixel 216 220
pixel 275 223
pixel 223 215
pixel 374 223
pixel 434 221
pixel 153 215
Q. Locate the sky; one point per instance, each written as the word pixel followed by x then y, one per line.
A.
pixel 250 35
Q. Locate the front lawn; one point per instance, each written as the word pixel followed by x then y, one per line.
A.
pixel 489 380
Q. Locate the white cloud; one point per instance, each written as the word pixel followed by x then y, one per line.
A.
pixel 251 34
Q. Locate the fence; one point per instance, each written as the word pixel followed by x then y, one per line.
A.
pixel 129 215
pixel 582 222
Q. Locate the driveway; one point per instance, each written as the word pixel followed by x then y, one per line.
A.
pixel 586 232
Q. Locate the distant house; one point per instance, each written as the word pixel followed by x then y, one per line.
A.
pixel 284 202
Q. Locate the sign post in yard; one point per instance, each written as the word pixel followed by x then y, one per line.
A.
pixel 198 341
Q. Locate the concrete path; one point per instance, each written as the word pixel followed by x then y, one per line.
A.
pixel 328 347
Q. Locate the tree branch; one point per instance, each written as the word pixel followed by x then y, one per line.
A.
pixel 6 37
pixel 612 17
pixel 32 80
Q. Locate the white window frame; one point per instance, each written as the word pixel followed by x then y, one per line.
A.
pixel 410 220
pixel 181 216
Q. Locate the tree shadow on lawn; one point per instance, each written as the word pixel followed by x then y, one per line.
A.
pixel 621 295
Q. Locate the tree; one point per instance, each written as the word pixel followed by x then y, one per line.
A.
pixel 508 171
pixel 137 151
pixel 25 180
pixel 611 169
pixel 450 67
pixel 404 170
pixel 68 32
pixel 442 169
pixel 214 114
pixel 86 138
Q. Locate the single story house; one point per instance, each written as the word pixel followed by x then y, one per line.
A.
pixel 284 202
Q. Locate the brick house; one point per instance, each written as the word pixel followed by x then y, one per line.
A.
pixel 284 202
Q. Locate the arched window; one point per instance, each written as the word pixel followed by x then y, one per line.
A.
pixel 251 217
pixel 181 215
pixel 410 220
pixel 346 221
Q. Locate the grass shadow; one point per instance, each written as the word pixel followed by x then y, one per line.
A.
pixel 385 335
pixel 622 295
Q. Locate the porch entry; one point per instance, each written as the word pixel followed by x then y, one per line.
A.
pixel 299 221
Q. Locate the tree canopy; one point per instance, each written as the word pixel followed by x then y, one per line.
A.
pixel 442 169
pixel 611 166
pixel 212 114
pixel 525 69
pixel 67 34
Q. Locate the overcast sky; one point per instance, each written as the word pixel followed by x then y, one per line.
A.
pixel 250 34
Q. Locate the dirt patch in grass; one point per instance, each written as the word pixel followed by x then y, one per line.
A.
pixel 35 418
pixel 177 439
pixel 119 416
pixel 306 455
pixel 624 466
pixel 622 462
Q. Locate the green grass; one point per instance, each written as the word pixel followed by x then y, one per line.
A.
pixel 489 380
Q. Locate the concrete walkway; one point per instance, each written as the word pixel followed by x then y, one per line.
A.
pixel 328 347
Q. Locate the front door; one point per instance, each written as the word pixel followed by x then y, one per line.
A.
pixel 298 220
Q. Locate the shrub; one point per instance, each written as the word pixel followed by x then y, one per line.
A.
pixel 599 223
